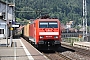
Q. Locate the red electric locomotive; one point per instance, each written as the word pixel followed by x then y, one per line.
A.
pixel 45 33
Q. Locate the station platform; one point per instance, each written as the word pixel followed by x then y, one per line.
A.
pixel 85 45
pixel 20 50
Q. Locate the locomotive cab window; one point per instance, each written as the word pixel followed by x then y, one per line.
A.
pixel 53 25
pixel 43 25
pixel 48 24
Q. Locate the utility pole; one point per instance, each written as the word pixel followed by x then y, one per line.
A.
pixel 84 19
pixel 13 18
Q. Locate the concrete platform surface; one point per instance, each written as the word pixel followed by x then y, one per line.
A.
pixel 21 50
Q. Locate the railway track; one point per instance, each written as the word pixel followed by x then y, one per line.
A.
pixel 66 55
pixel 80 51
pixel 56 56
pixel 67 52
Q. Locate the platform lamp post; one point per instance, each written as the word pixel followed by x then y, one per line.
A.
pixel 7 22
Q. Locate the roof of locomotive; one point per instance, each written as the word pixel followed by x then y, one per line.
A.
pixel 47 19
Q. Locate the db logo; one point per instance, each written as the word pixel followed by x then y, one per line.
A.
pixel 48 36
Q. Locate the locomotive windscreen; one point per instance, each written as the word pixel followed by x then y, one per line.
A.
pixel 48 24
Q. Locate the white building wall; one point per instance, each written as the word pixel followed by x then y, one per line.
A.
pixel 68 26
pixel 3 9
pixel 3 26
pixel 2 21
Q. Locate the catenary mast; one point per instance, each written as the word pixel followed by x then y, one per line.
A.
pixel 84 19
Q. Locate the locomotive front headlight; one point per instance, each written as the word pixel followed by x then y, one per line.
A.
pixel 55 36
pixel 41 37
